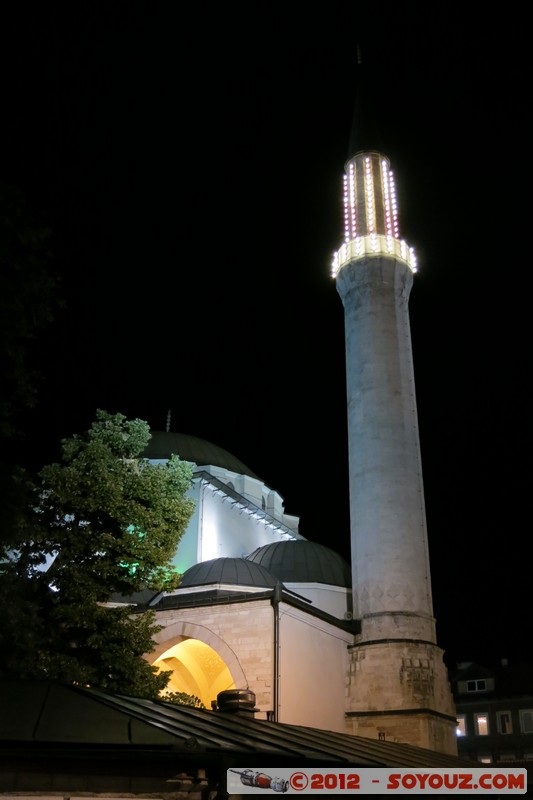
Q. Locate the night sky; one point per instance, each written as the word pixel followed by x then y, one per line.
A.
pixel 189 165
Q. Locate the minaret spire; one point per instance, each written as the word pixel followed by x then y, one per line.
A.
pixel 365 132
pixel 395 656
pixel 353 145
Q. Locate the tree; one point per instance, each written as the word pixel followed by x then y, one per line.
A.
pixel 183 699
pixel 102 522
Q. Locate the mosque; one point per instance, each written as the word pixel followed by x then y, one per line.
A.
pixel 259 606
pixel 320 642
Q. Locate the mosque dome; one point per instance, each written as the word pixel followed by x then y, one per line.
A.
pixel 163 444
pixel 238 571
pixel 302 561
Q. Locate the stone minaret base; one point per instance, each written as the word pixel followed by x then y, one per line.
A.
pixel 399 691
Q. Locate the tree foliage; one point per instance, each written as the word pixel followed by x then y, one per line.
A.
pixel 183 699
pixel 102 523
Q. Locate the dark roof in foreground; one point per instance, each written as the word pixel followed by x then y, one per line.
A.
pixel 45 724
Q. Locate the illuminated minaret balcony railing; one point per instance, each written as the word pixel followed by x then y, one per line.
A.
pixel 370 213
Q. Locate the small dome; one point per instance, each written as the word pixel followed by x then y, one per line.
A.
pixel 302 561
pixel 238 571
pixel 190 448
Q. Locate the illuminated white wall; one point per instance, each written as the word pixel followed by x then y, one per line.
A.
pixel 313 662
pixel 221 527
pixel 228 531
pixel 256 492
pixel 187 553
pixel 335 600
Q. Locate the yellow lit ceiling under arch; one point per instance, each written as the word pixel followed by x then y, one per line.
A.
pixel 196 670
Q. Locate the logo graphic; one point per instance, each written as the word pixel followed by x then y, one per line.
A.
pixel 261 781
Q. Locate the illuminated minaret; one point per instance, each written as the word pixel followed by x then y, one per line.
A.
pixel 397 685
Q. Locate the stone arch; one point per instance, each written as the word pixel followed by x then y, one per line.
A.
pixel 182 659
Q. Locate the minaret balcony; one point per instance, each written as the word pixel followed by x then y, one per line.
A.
pixel 374 244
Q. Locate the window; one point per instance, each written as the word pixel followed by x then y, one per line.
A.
pixel 507 756
pixel 526 720
pixel 481 723
pixel 484 758
pixel 461 725
pixel 476 686
pixel 503 721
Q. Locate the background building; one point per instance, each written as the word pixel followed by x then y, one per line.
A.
pixel 494 712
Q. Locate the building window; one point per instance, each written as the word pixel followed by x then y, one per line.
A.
pixel 509 756
pixel 503 721
pixel 526 720
pixel 476 686
pixel 461 725
pixel 481 723
pixel 484 758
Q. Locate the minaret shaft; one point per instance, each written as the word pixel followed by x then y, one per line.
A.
pixel 397 684
pixel 390 563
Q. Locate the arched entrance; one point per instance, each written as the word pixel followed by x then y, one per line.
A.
pixel 196 669
pixel 202 664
